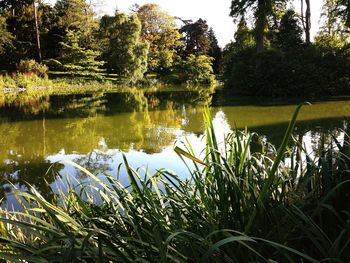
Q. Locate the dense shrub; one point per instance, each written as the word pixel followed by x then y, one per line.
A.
pixel 31 66
pixel 307 71
pixel 23 81
pixel 193 70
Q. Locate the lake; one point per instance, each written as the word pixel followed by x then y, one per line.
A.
pixel 94 130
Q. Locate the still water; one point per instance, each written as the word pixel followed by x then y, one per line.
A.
pixel 93 130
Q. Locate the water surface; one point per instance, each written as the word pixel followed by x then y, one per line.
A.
pixel 95 129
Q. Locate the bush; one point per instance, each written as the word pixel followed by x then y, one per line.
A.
pixel 31 66
pixel 196 70
pixel 23 81
pixel 311 71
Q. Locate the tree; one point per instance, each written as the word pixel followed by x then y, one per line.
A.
pixel 78 60
pixel 306 19
pixel 52 31
pixel 78 16
pixel 5 36
pixel 123 49
pixel 20 23
pixel 214 50
pixel 343 10
pixel 289 33
pixel 37 32
pixel 195 38
pixel 261 9
pixel 197 70
pixel 17 8
pixel 244 37
pixel 159 30
pixel 333 32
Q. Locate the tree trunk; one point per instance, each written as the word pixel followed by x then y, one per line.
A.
pixel 307 22
pixel 37 33
pixel 260 26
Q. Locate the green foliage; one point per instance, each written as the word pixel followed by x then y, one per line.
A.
pixel 305 72
pixel 343 9
pixel 77 59
pixel 31 66
pixel 23 81
pixel 159 30
pixel 195 38
pixel 5 36
pixel 196 70
pixel 329 42
pixel 19 24
pixel 262 9
pixel 160 217
pixel 214 51
pixel 77 16
pixel 244 37
pixel 124 50
pixel 289 35
pixel 288 67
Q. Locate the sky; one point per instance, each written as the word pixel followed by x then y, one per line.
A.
pixel 216 12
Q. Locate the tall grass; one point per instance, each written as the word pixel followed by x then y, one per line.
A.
pixel 237 205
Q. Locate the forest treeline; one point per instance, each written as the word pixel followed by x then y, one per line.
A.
pixel 272 53
pixel 69 37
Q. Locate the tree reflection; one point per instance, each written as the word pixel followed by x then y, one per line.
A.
pixel 84 127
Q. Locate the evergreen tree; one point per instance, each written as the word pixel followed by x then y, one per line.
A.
pixel 20 23
pixel 214 50
pixel 195 38
pixel 262 10
pixel 78 16
pixel 244 37
pixel 5 36
pixel 289 35
pixel 78 60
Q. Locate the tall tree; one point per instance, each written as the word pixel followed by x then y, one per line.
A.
pixel 261 8
pixel 5 36
pixel 333 32
pixel 160 31
pixel 78 16
pixel 78 60
pixel 37 32
pixel 52 31
pixel 289 35
pixel 20 23
pixel 123 49
pixel 306 19
pixel 343 9
pixel 214 50
pixel 331 23
pixel 196 37
pixel 243 36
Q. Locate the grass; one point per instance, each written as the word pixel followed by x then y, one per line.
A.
pixel 237 205
pixel 60 83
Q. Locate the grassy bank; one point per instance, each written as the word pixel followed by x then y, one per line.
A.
pixel 244 201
